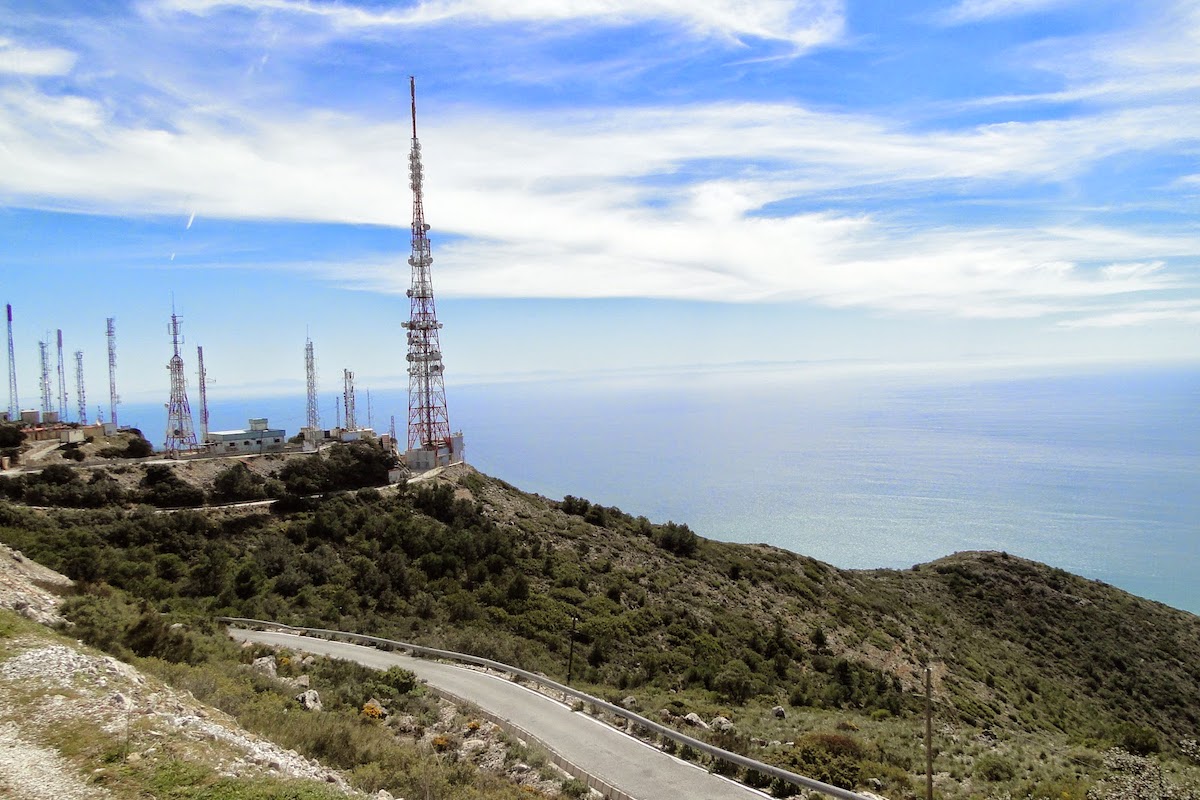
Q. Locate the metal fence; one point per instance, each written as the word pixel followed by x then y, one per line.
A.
pixel 667 733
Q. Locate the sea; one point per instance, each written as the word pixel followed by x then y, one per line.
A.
pixel 1093 470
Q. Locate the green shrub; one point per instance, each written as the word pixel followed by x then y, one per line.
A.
pixel 237 482
pixel 994 768
pixel 832 758
pixel 574 789
pixel 1136 739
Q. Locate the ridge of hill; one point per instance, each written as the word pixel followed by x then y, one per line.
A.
pixel 1036 672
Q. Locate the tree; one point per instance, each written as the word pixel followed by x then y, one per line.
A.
pixel 163 488
pixel 11 436
pixel 735 681
pixel 237 482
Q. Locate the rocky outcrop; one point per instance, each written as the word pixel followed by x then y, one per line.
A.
pixel 27 587
pixel 109 693
pixel 267 666
pixel 309 700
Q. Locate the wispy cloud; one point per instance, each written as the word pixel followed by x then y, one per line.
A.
pixel 649 200
pixel 1151 60
pixel 803 23
pixel 1154 312
pixel 554 205
pixel 16 59
pixel 966 11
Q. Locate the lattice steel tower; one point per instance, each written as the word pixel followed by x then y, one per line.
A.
pixel 310 371
pixel 47 396
pixel 80 396
pixel 428 419
pixel 112 371
pixel 203 377
pixel 181 437
pixel 14 403
pixel 62 382
pixel 348 400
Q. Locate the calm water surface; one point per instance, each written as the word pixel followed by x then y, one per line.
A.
pixel 1096 473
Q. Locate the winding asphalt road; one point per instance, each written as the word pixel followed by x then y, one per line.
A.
pixel 620 760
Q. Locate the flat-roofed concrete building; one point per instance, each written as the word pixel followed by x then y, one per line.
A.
pixel 258 438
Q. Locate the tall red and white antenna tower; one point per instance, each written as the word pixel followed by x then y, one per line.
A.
pixel 348 401
pixel 47 396
pixel 62 382
pixel 203 394
pixel 428 419
pixel 79 387
pixel 112 371
pixel 181 437
pixel 14 403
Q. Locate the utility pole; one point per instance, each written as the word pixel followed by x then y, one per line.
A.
pixel 928 733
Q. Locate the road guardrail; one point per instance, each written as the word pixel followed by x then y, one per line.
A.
pixel 662 730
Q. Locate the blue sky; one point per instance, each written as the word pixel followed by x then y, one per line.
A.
pixel 612 184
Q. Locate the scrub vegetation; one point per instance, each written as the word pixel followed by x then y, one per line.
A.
pixel 1037 674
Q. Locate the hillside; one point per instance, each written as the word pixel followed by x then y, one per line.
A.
pixel 76 723
pixel 1036 672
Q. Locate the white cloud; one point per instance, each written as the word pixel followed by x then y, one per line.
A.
pixel 1136 270
pixel 1151 60
pixel 976 10
pixel 610 202
pixel 565 206
pixel 37 62
pixel 803 23
pixel 1181 312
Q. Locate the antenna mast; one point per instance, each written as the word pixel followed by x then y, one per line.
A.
pixel 348 400
pixel 428 419
pixel 14 403
pixel 310 371
pixel 112 371
pixel 62 382
pixel 203 394
pixel 181 437
pixel 44 351
pixel 79 387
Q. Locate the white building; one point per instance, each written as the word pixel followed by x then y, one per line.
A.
pixel 258 438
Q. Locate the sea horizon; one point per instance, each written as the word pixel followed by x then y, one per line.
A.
pixel 1095 471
